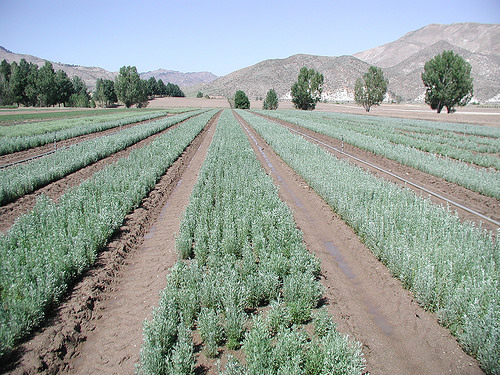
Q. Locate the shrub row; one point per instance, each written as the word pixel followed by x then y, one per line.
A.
pixel 450 266
pixel 22 179
pixel 246 280
pixel 39 134
pixel 481 180
pixel 47 248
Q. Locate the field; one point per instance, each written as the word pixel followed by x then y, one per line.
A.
pixel 219 241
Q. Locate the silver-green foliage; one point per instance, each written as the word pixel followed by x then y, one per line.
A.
pixel 22 179
pixel 22 137
pixel 451 267
pixel 50 246
pixel 243 240
pixel 389 138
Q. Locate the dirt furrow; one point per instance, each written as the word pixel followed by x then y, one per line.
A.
pixel 487 206
pixel 11 211
pixel 398 336
pixel 98 328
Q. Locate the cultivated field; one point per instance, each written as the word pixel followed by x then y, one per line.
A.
pixel 218 241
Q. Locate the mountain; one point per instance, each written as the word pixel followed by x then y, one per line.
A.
pixel 340 75
pixel 402 62
pixel 179 78
pixel 91 74
pixel 477 38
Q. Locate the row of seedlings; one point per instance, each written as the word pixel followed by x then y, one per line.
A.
pixel 245 284
pixel 452 267
pixel 482 180
pixel 47 248
pixel 22 137
pixel 22 179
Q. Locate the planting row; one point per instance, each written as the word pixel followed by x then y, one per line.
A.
pixel 450 266
pixel 376 137
pixel 46 249
pixel 22 179
pixel 245 281
pixel 16 138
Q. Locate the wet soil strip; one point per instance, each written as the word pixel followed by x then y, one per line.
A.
pixel 11 211
pixel 398 336
pixel 488 206
pixel 98 329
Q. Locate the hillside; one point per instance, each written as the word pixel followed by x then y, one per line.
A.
pixel 402 61
pixel 179 78
pixel 91 74
pixel 476 38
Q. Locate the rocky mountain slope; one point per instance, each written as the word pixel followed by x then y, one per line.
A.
pixel 179 78
pixel 91 74
pixel 402 61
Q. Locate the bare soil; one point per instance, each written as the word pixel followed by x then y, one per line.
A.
pixel 98 328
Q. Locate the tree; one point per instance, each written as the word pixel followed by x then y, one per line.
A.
pixel 271 101
pixel 371 88
pixel 448 81
pixel 105 93
pixel 174 91
pixel 152 87
pixel 306 92
pixel 241 100
pixel 64 87
pixel 47 93
pixel 80 98
pixel 128 86
pixel 162 88
pixel 199 95
pixel 5 72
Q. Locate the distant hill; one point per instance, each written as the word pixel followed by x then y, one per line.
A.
pixel 179 78
pixel 474 37
pixel 402 62
pixel 340 75
pixel 91 74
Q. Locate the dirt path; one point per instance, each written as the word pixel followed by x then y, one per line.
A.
pixel 487 206
pixel 398 336
pixel 11 211
pixel 98 329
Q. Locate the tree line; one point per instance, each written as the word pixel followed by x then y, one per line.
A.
pixel 446 78
pixel 26 84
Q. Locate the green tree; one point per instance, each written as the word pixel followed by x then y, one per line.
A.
pixel 371 88
pixel 128 86
pixel 18 81
pixel 46 83
pixel 241 100
pixel 105 94
pixel 162 88
pixel 152 87
pixel 5 72
pixel 199 95
pixel 64 87
pixel 271 101
pixel 80 96
pixel 174 90
pixel 448 81
pixel 306 92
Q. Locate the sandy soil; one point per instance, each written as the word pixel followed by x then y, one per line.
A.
pixel 98 329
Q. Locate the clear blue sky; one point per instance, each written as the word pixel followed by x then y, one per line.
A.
pixel 217 36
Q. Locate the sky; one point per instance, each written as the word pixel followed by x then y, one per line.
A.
pixel 216 36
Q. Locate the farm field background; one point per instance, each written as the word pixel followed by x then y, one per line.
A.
pixel 373 321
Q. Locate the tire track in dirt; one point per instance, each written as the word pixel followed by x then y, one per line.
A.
pixel 398 336
pixel 487 206
pixel 98 329
pixel 11 211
